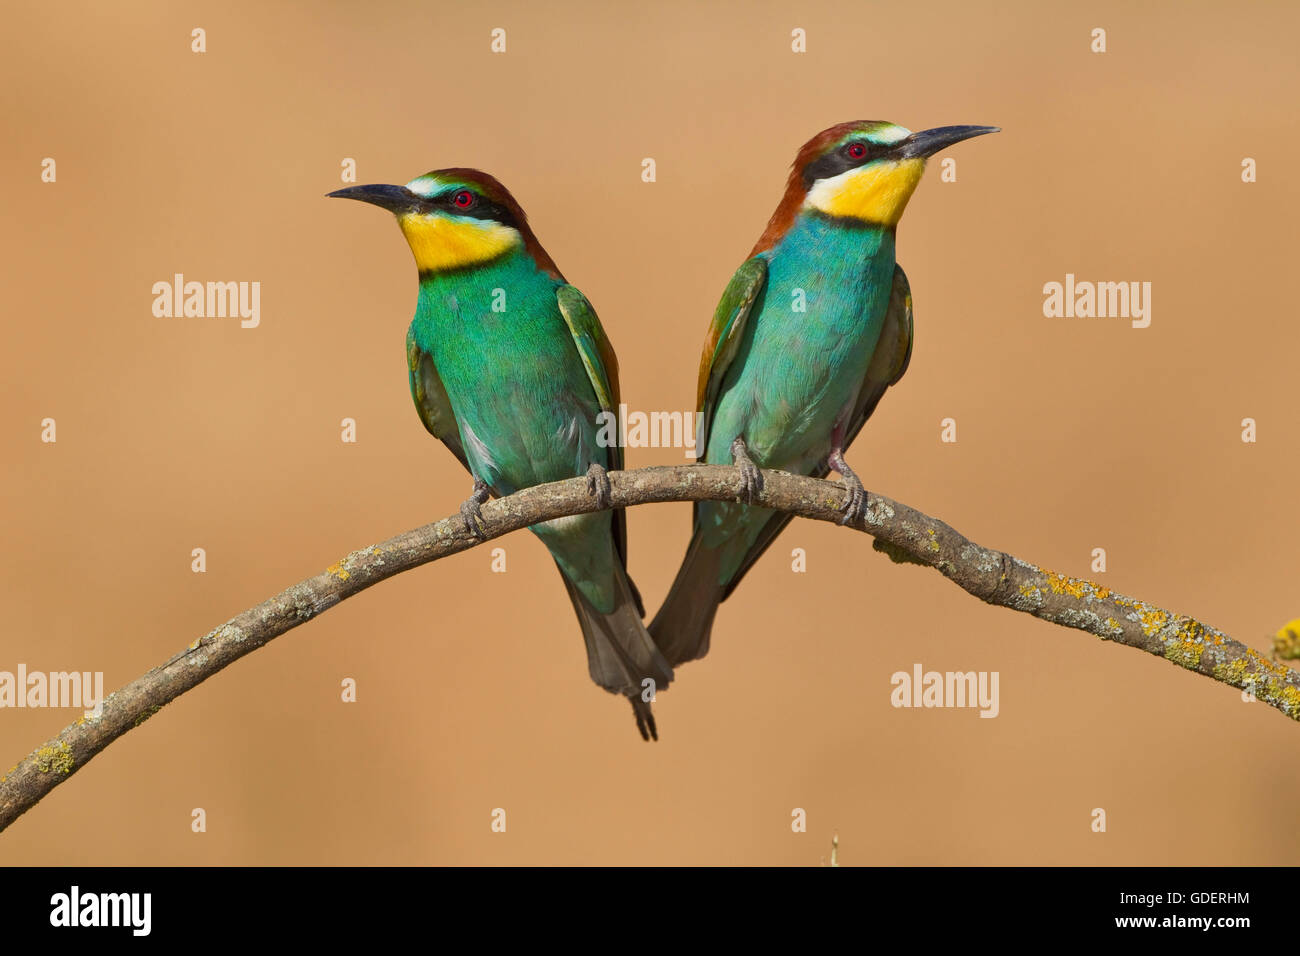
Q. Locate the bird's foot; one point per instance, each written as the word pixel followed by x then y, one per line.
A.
pixel 854 509
pixel 598 485
pixel 471 511
pixel 645 718
pixel 751 478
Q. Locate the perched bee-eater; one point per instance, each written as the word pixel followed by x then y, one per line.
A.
pixel 510 369
pixel 811 330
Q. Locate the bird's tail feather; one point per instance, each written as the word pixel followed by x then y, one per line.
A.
pixel 685 620
pixel 620 652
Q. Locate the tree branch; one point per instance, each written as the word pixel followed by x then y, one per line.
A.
pixel 901 532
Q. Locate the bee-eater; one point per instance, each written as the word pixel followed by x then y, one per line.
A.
pixel 809 333
pixel 510 369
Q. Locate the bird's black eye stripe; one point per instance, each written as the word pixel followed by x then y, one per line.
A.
pixel 841 160
pixel 482 207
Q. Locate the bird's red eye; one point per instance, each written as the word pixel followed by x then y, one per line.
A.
pixel 857 150
pixel 463 199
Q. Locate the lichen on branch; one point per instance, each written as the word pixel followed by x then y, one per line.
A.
pixel 905 534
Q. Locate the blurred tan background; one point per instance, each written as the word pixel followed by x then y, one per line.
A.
pixel 472 687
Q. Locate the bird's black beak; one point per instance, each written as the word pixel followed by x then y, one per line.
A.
pixel 930 141
pixel 396 199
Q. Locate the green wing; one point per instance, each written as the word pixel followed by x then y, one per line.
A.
pixel 431 400
pixel 892 356
pixel 725 332
pixel 602 369
pixel 887 366
pixel 595 351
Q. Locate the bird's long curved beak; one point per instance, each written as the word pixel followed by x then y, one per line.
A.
pixel 395 199
pixel 929 141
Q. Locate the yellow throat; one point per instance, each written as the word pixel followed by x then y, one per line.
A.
pixel 876 193
pixel 440 242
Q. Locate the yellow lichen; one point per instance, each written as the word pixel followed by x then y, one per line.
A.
pixel 1075 587
pixel 337 571
pixel 1264 664
pixel 57 759
pixel 1290 698
pixel 1188 643
pixel 1152 618
pixel 1185 653
pixel 1061 584
pixel 1286 642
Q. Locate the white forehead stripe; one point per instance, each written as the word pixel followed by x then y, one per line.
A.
pixel 424 186
pixel 888 135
